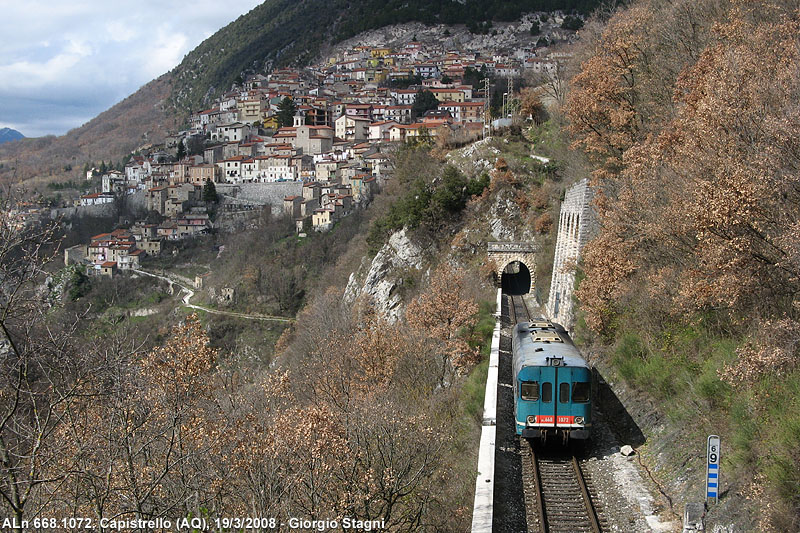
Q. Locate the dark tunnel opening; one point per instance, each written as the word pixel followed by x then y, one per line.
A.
pixel 516 278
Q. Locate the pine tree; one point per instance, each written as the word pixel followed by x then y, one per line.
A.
pixel 210 193
pixel 286 111
pixel 424 101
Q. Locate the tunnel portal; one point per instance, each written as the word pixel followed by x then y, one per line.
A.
pixel 516 278
pixel 514 266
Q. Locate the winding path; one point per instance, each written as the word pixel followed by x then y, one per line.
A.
pixel 190 293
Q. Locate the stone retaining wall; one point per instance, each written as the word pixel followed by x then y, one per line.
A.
pixel 575 227
pixel 260 193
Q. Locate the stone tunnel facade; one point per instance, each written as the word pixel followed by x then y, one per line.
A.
pixel 501 254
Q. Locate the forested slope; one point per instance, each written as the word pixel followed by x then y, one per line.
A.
pixel 690 113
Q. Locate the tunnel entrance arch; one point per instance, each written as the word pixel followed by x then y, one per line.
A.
pixel 515 278
pixel 514 266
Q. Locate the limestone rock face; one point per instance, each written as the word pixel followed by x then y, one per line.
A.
pixel 385 275
pixel 503 213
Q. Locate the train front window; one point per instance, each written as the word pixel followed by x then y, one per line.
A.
pixel 547 392
pixel 563 393
pixel 529 390
pixel 580 392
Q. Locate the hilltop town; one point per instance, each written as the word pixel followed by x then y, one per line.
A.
pixel 312 143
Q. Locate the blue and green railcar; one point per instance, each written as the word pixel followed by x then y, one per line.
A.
pixel 552 384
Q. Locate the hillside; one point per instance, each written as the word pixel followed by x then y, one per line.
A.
pixel 378 397
pixel 141 118
pixel 8 135
pixel 276 33
pixel 690 287
pixel 283 32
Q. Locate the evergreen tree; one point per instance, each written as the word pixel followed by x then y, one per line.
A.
pixel 181 150
pixel 424 101
pixel 572 23
pixel 286 111
pixel 210 193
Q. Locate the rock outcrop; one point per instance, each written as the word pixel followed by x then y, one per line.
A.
pixel 385 275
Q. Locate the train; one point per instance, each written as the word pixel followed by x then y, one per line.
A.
pixel 552 384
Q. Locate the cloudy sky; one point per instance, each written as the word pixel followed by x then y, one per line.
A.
pixel 62 62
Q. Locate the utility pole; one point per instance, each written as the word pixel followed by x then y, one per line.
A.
pixel 509 105
pixel 486 117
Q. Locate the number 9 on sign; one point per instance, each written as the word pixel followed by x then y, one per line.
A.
pixel 712 469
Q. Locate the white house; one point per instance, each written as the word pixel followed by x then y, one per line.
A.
pixel 379 131
pixel 97 198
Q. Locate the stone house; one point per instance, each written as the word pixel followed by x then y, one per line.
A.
pixel 292 206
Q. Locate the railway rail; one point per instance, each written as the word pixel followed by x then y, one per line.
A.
pixel 559 495
pixel 518 310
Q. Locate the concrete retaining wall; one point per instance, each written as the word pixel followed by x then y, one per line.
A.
pixel 483 507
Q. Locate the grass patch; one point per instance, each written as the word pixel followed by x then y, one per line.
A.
pixel 482 334
pixel 473 392
pixel 682 365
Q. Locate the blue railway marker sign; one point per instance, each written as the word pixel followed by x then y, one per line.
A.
pixel 712 469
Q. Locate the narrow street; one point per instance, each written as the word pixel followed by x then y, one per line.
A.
pixel 189 293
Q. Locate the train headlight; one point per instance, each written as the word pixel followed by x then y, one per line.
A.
pixel 531 419
pixel 579 420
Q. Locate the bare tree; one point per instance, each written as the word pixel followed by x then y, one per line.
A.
pixel 45 376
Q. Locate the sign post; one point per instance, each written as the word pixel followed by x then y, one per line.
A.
pixel 712 469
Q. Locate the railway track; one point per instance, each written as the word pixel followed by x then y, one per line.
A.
pixel 518 309
pixel 558 497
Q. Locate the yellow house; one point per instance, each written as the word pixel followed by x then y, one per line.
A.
pixel 270 122
pixel 446 94
pixel 373 62
pixel 380 75
pixel 380 52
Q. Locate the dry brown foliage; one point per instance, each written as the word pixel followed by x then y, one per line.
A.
pixel 531 102
pixel 773 351
pixel 696 196
pixel 442 313
pixel 543 223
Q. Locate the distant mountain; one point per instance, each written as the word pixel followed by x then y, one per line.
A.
pixel 7 134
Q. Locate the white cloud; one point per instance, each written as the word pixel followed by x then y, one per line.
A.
pixel 91 53
pixel 166 51
pixel 121 33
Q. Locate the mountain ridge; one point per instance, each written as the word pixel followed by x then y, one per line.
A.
pixel 8 135
pixel 272 34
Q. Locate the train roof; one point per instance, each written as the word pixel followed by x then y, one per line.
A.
pixel 540 342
